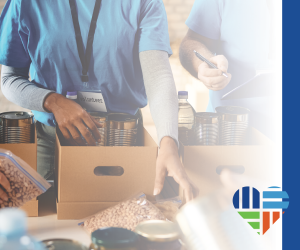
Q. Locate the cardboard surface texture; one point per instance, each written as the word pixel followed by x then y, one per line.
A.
pixel 82 190
pixel 28 153
pixel 204 164
pixel 80 210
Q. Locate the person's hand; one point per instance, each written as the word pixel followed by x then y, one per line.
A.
pixel 168 162
pixel 4 188
pixel 73 120
pixel 213 78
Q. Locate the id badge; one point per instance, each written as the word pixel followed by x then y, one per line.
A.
pixel 91 101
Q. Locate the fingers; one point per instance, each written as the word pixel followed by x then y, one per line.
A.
pixel 221 62
pixel 76 136
pixel 160 176
pixel 98 124
pixel 4 182
pixel 216 82
pixel 85 132
pixel 181 178
pixel 92 126
pixel 213 78
pixel 67 136
pixel 205 71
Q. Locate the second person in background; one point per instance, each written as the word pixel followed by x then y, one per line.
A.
pixel 232 34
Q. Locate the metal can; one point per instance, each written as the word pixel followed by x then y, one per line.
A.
pixel 207 128
pixel 234 124
pixel 113 238
pixel 101 118
pixel 122 129
pixel 63 244
pixel 16 127
pixel 158 235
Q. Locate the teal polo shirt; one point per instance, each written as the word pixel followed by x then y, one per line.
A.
pixel 40 35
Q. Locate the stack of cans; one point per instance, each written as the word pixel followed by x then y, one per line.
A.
pixel 122 129
pixel 207 128
pixel 101 118
pixel 234 124
pixel 16 127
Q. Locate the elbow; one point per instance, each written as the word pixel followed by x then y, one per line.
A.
pixel 3 85
pixel 6 91
pixel 184 55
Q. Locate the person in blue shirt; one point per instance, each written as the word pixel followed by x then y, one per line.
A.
pixel 235 36
pixel 128 64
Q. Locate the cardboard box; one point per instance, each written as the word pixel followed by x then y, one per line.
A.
pixel 81 191
pixel 203 164
pixel 28 153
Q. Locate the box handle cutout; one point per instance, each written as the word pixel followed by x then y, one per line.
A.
pixel 236 169
pixel 109 171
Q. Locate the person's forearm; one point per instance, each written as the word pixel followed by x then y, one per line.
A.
pixel 161 93
pixel 187 57
pixel 18 89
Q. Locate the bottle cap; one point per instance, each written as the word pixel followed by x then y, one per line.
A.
pixel 71 95
pixel 183 94
pixel 13 221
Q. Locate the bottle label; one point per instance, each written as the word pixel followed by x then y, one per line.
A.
pixel 92 101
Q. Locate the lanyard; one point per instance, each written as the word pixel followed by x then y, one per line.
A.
pixel 85 58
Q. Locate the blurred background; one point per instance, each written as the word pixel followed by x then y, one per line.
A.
pixel 177 12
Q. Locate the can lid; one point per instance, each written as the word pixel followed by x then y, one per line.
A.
pixel 113 237
pixel 207 117
pixel 232 110
pixel 158 230
pixel 16 115
pixel 183 94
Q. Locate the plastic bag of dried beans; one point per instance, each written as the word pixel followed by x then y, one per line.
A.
pixel 26 184
pixel 127 214
pixel 169 207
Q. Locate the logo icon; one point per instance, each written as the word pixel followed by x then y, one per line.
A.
pixel 260 210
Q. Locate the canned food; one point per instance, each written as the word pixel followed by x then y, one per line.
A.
pixel 63 244
pixel 234 124
pixel 122 129
pixel 16 127
pixel 158 235
pixel 207 128
pixel 101 118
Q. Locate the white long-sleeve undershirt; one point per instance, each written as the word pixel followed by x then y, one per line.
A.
pixel 158 80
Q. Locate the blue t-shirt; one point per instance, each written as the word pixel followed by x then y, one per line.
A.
pixel 242 29
pixel 40 34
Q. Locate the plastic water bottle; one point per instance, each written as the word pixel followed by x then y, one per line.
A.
pixel 186 118
pixel 13 233
pixel 72 95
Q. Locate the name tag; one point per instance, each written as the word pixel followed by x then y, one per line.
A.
pixel 91 101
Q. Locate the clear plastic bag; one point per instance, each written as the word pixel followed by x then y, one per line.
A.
pixel 169 207
pixel 127 214
pixel 26 184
